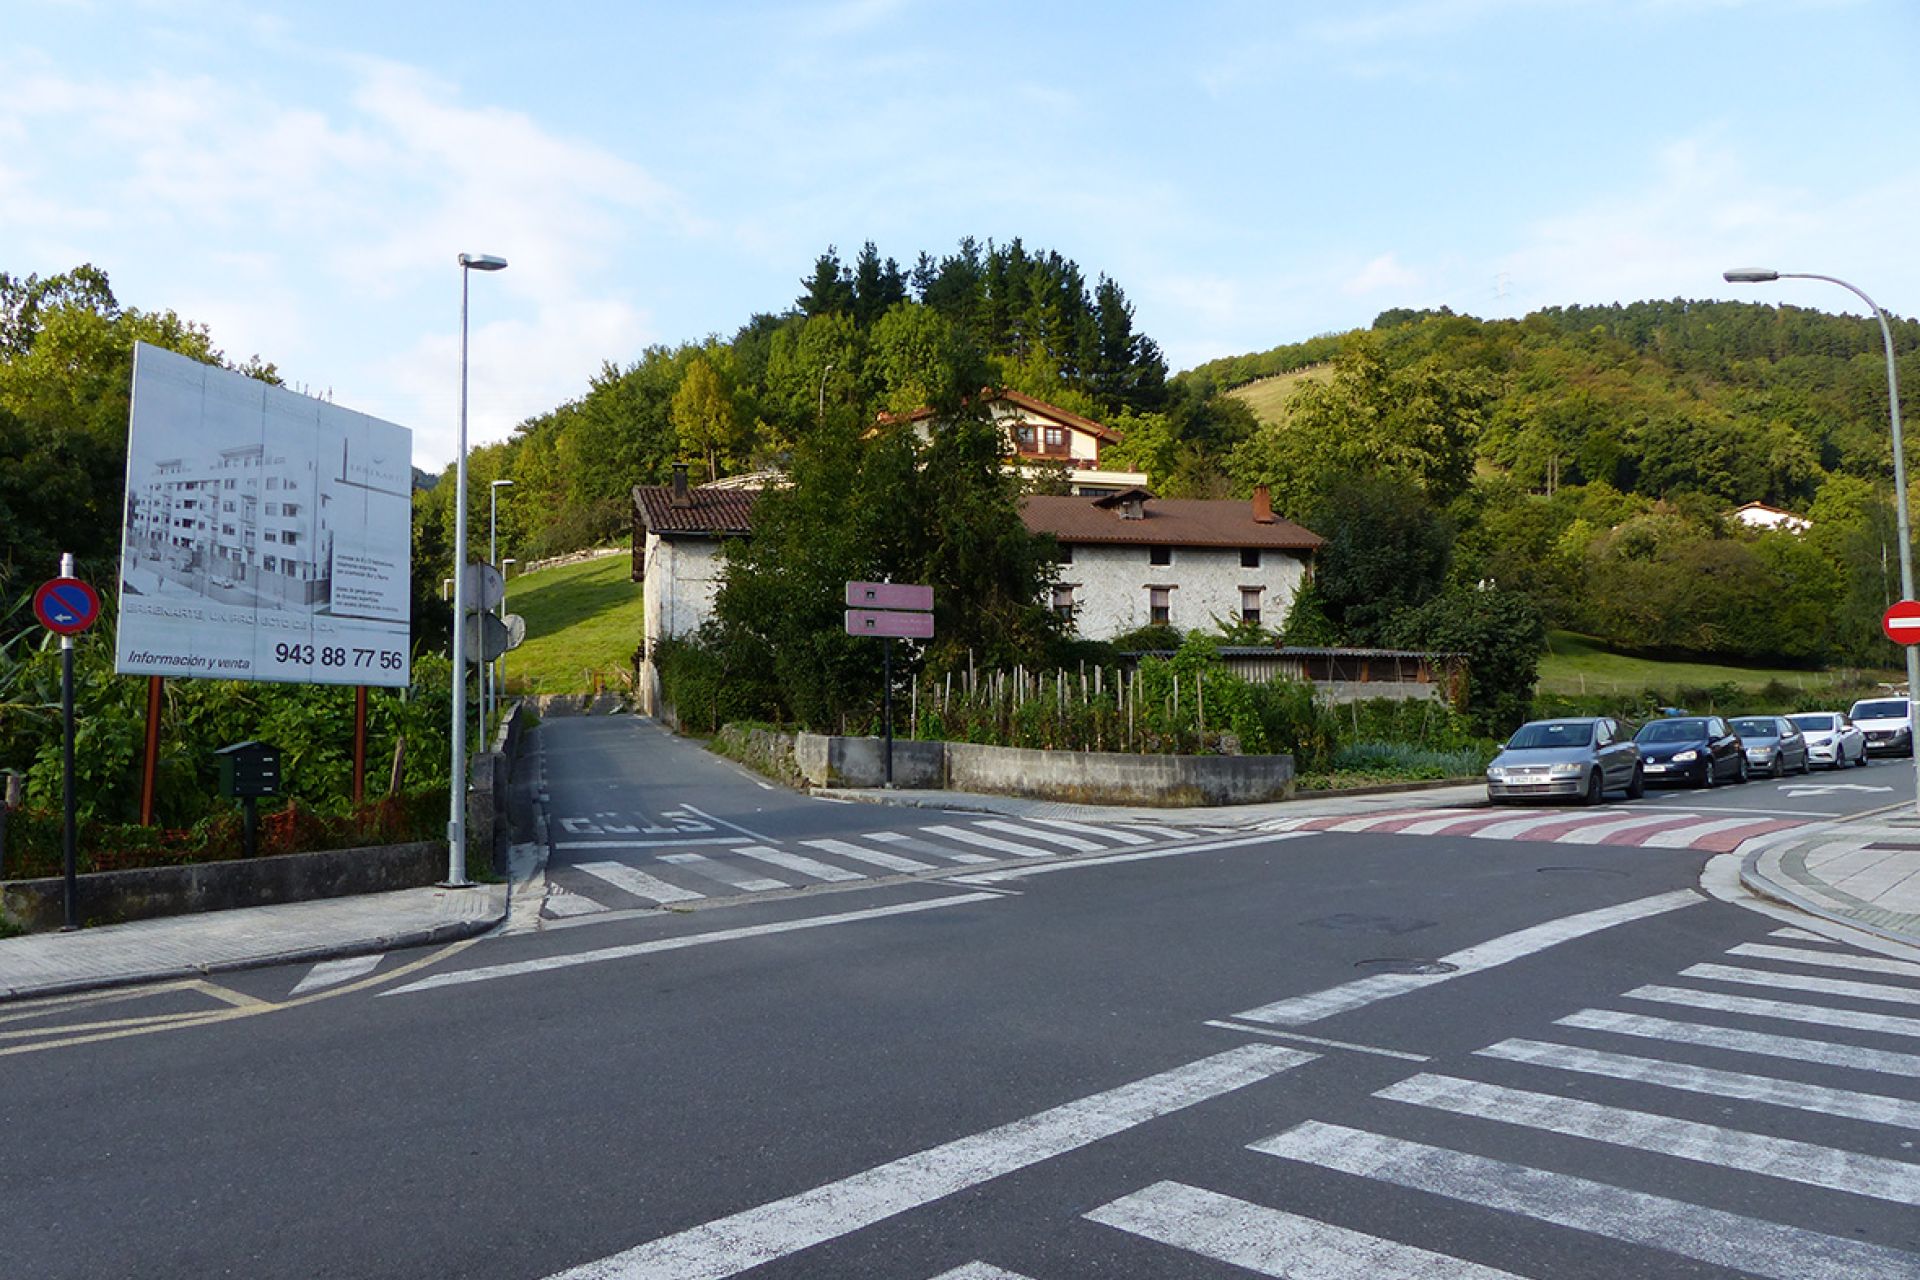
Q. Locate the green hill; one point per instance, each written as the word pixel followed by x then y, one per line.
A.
pixel 1268 396
pixel 583 621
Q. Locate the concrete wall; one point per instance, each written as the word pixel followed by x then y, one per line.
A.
pixel 111 897
pixel 1110 587
pixel 682 578
pixel 1085 777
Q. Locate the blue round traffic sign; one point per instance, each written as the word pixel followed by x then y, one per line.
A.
pixel 66 606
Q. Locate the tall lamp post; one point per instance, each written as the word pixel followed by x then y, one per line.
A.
pixel 487 693
pixel 1761 275
pixel 457 815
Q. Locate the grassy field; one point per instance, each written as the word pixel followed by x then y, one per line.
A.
pixel 1268 397
pixel 582 619
pixel 1580 664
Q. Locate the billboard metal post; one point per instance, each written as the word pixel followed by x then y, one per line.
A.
pixel 150 765
pixel 359 745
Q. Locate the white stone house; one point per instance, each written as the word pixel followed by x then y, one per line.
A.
pixel 1041 435
pixel 678 533
pixel 1758 515
pixel 1129 560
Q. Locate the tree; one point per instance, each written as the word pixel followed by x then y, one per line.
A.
pixel 1500 634
pixel 1387 550
pixel 703 414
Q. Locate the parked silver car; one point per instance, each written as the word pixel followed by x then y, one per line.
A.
pixel 1774 745
pixel 1833 740
pixel 1582 758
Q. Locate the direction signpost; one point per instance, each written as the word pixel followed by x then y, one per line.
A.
pixel 67 606
pixel 889 610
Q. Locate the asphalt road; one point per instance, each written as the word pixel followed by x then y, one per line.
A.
pixel 1305 1052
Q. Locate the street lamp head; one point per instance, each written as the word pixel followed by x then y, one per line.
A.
pixel 482 262
pixel 1750 275
pixel 502 484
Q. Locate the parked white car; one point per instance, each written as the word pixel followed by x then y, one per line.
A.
pixel 1888 724
pixel 1833 740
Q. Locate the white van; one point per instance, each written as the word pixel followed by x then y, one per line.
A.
pixel 1888 724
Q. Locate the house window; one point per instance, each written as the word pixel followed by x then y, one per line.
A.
pixel 289 509
pixel 1249 557
pixel 273 508
pixel 1066 553
pixel 1159 606
pixel 1159 555
pixel 1250 603
pixel 1025 436
pixel 1063 602
pixel 270 564
pixel 1056 437
pixel 273 482
pixel 272 536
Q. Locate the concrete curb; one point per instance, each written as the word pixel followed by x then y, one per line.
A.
pixel 976 802
pixel 431 935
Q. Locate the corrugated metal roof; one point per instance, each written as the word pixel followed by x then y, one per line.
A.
pixel 1178 522
pixel 715 512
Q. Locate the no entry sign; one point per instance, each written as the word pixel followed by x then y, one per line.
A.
pixel 66 606
pixel 1902 622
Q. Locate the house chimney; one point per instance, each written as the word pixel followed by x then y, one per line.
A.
pixel 681 498
pixel 1262 505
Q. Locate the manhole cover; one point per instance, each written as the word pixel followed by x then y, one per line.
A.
pixel 1391 964
pixel 1581 871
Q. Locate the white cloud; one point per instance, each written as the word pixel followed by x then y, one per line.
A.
pixel 1384 272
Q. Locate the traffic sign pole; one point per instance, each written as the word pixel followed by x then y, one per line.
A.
pixel 70 890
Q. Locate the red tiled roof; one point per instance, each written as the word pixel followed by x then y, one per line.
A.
pixel 1178 522
pixel 1031 404
pixel 715 512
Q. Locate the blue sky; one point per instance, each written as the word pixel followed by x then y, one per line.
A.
pixel 301 177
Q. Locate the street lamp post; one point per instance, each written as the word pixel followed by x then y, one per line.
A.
pixel 457 815
pixel 487 692
pixel 1761 275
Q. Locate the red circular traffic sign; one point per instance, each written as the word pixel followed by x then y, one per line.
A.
pixel 1902 622
pixel 66 606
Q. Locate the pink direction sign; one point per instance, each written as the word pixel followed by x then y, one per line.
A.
pixel 891 624
pixel 889 595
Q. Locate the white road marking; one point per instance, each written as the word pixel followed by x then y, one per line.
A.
pixel 1108 859
pixel 925 848
pixel 1060 838
pixel 699 864
pixel 1796 1048
pixel 1475 959
pixel 1434 826
pixel 522 967
pixel 1087 829
pixel 1827 959
pixel 687 808
pixel 728 1246
pixel 331 972
pixel 1683 837
pixel 799 862
pixel 1802 982
pixel 647 844
pixel 1271 1242
pixel 980 1271
pixel 1713 1236
pixel 1599 831
pixel 1785 1158
pixel 1849 1018
pixel 870 856
pixel 563 902
pixel 1799 935
pixel 1297 1038
pixel 986 841
pixel 1797 1094
pixel 1517 828
pixel 638 883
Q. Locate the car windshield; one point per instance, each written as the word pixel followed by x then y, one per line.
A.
pixel 1672 731
pixel 1818 724
pixel 1757 727
pixel 1551 733
pixel 1885 709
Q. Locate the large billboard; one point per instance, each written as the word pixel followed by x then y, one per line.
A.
pixel 267 534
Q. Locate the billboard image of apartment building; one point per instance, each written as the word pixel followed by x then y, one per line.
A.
pixel 268 535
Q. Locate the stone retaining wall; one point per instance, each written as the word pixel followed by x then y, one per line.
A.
pixel 1084 777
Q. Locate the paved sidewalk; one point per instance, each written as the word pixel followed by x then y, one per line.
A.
pixel 1864 873
pixel 45 964
pixel 1306 804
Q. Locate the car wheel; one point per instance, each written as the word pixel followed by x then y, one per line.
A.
pixel 1596 789
pixel 1862 762
pixel 1779 769
pixel 1637 785
pixel 1740 774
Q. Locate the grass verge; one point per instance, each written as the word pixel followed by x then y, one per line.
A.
pixel 583 620
pixel 1576 665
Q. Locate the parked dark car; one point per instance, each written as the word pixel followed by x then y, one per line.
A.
pixel 1585 758
pixel 1775 745
pixel 1699 750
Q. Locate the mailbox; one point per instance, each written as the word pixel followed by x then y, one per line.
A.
pixel 249 770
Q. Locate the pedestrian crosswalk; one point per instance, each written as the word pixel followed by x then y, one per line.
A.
pixel 1714 1090
pixel 1704 830
pixel 673 874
